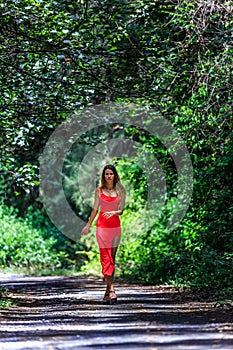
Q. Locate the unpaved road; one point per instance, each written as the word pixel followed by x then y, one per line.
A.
pixel 54 313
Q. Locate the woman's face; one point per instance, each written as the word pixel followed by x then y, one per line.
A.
pixel 109 176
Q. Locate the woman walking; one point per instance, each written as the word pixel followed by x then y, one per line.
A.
pixel 110 200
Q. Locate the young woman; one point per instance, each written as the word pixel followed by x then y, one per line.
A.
pixel 110 199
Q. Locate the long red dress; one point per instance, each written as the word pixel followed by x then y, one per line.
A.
pixel 106 232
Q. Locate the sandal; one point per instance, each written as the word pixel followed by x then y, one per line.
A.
pixel 112 297
pixel 106 298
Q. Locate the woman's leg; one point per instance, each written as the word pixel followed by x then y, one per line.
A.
pixel 106 261
pixel 115 244
pixel 108 247
pixel 109 279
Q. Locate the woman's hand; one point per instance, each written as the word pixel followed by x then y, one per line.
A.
pixel 108 214
pixel 85 230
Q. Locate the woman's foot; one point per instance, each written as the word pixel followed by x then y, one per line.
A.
pixel 112 297
pixel 106 298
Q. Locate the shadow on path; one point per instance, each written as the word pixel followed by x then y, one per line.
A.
pixel 68 313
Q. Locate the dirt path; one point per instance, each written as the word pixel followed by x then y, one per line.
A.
pixel 54 313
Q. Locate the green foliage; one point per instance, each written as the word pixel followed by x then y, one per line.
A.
pixel 73 255
pixel 4 300
pixel 182 257
pixel 23 246
pixel 57 57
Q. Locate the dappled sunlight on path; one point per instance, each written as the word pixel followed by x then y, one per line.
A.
pixel 68 313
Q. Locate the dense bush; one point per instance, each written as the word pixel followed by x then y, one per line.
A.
pixel 181 257
pixel 25 247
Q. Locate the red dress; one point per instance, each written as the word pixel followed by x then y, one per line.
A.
pixel 108 232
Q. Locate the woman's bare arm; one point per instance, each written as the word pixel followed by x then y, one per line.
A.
pixel 94 212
